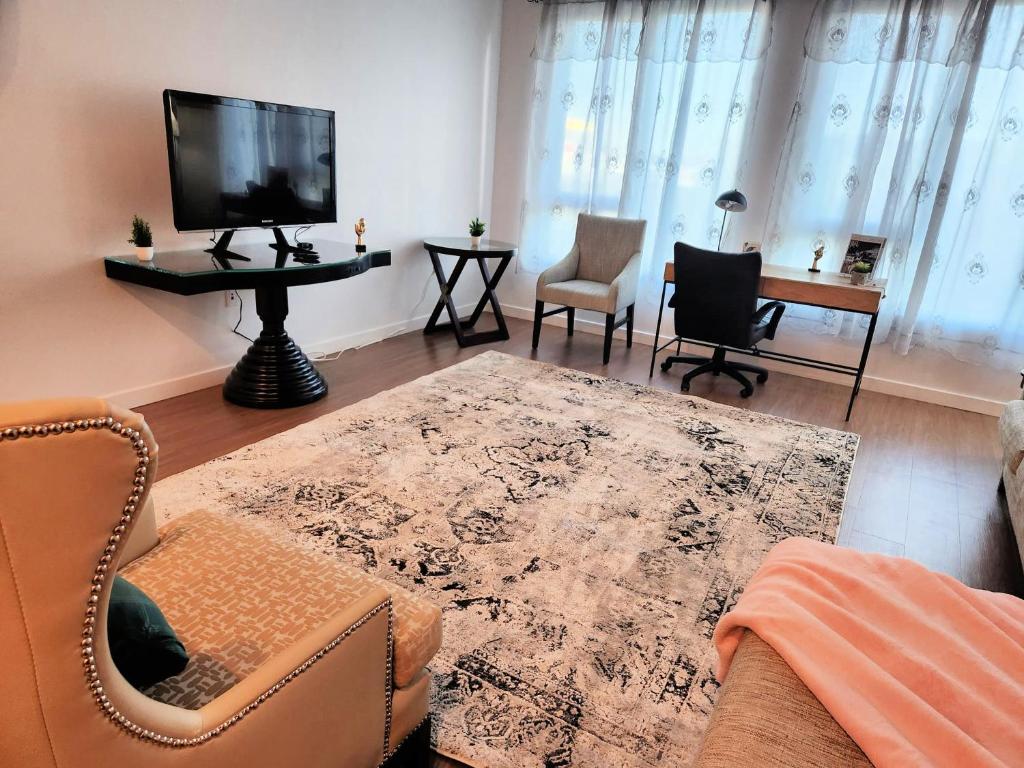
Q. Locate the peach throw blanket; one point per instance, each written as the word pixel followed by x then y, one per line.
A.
pixel 919 669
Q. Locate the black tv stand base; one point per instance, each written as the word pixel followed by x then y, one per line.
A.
pixel 221 250
pixel 274 373
pixel 281 245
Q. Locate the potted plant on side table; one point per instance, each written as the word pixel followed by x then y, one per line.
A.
pixel 476 231
pixel 859 272
pixel 142 239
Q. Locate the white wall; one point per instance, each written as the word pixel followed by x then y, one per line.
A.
pixel 924 374
pixel 82 148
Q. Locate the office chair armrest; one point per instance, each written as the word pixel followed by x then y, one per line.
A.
pixel 562 270
pixel 776 308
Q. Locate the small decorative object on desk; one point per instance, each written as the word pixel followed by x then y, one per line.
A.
pixel 751 246
pixel 860 272
pixel 818 253
pixel 360 231
pixel 142 239
pixel 476 231
pixel 866 248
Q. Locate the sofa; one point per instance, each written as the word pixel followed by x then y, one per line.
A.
pixel 767 717
pixel 294 658
pixel 1011 435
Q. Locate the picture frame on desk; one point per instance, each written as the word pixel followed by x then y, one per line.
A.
pixel 866 248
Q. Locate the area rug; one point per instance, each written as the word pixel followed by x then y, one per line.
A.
pixel 583 536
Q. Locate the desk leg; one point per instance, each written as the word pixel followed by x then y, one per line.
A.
pixel 273 373
pixel 863 364
pixel 657 329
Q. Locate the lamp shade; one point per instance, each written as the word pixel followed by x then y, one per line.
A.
pixel 733 200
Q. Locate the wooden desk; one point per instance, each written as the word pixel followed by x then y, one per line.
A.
pixel 794 285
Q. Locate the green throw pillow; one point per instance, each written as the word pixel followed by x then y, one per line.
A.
pixel 142 643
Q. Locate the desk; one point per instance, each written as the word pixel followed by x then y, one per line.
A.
pixel 793 285
pixel 466 251
pixel 274 373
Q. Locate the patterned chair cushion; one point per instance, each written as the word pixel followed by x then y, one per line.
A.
pixel 236 596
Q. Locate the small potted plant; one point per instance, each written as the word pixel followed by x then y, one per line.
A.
pixel 859 272
pixel 476 231
pixel 142 239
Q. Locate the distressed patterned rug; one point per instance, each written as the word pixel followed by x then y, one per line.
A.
pixel 582 534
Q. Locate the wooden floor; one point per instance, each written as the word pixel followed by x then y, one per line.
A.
pixel 923 486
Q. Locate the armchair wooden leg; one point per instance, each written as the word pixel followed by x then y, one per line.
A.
pixel 629 326
pixel 571 312
pixel 538 316
pixel 609 329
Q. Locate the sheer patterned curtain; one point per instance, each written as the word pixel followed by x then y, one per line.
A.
pixel 641 110
pixel 910 125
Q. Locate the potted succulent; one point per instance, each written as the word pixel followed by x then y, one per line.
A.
pixel 142 239
pixel 859 272
pixel 476 231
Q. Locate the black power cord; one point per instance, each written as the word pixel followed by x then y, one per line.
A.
pixel 238 296
pixel 235 329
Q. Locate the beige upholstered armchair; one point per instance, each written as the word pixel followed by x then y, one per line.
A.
pixel 294 659
pixel 600 273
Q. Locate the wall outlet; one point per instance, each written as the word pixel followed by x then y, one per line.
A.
pixel 230 298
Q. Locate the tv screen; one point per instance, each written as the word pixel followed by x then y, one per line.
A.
pixel 237 163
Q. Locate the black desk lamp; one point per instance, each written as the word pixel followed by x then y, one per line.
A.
pixel 734 201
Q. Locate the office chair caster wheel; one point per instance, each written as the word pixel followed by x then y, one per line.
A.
pixel 746 393
pixel 762 378
pixel 665 367
pixel 684 387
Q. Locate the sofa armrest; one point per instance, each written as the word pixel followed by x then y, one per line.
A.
pixel 624 286
pixel 765 715
pixel 562 270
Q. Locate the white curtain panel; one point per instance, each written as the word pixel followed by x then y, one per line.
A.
pixel 641 110
pixel 910 125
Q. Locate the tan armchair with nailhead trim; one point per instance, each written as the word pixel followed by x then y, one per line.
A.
pixel 295 660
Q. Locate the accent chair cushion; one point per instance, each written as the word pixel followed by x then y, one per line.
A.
pixel 581 294
pixel 142 643
pixel 238 595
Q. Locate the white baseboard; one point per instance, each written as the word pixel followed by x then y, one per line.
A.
pixel 162 390
pixel 873 383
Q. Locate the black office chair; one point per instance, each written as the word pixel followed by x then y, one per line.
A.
pixel 716 302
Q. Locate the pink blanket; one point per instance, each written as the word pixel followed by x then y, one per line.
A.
pixel 919 669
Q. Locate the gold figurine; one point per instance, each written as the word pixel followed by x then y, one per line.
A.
pixel 818 253
pixel 360 231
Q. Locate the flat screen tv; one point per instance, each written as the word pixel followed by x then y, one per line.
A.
pixel 237 163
